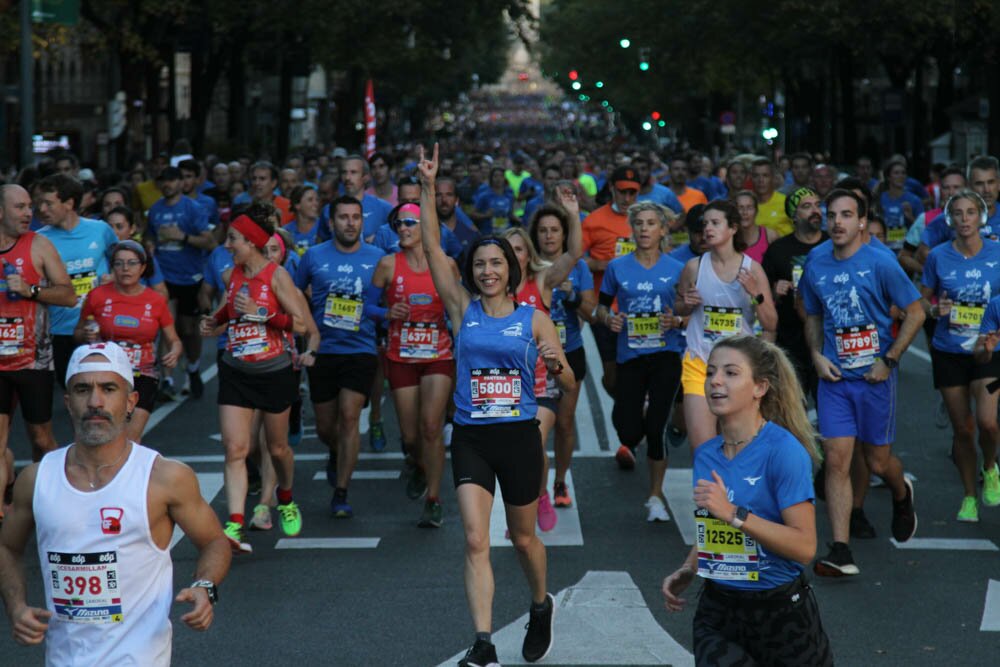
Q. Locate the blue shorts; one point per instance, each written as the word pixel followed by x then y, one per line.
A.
pixel 855 408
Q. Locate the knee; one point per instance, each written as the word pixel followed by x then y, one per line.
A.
pixel 964 430
pixel 990 429
pixel 877 465
pixel 477 544
pixel 325 434
pixel 523 542
pixel 431 429
pixel 236 451
pixel 279 448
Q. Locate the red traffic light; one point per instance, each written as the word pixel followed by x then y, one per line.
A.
pixel 655 115
pixel 573 75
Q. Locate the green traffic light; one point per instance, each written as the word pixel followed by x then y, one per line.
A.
pixel 644 66
pixel 599 84
pixel 662 123
pixel 625 43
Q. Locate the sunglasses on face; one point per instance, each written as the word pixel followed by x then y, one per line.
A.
pixel 407 222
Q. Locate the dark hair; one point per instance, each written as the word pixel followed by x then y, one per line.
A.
pixel 66 188
pixel 762 162
pixel 840 193
pixel 889 166
pixel 728 209
pixel 983 162
pixel 261 214
pixel 298 192
pixel 263 164
pixel 952 171
pixel 552 166
pixel 121 191
pixel 550 209
pixel 66 155
pixel 409 180
pixel 125 211
pixel 801 156
pixel 854 183
pixel 344 200
pixel 190 164
pixel 379 155
pixel 513 268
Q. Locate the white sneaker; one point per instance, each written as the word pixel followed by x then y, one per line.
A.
pixel 446 434
pixel 941 418
pixel 657 510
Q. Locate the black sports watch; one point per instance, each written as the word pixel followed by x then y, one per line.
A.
pixel 210 588
pixel 739 517
pixel 759 299
pixel 890 362
pixel 35 289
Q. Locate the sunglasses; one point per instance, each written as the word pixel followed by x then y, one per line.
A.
pixel 407 222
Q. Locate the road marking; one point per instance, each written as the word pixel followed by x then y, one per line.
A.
pixel 567 532
pixel 593 385
pixel 161 413
pixel 991 612
pixel 945 544
pixel 586 430
pixel 677 490
pixel 320 476
pixel 210 483
pixel 918 353
pixel 327 543
pixel 602 620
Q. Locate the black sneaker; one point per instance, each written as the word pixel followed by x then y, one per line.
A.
pixel 838 563
pixel 538 640
pixel 196 385
pixel 166 392
pixel 904 519
pixel 482 654
pixel 861 527
pixel 675 436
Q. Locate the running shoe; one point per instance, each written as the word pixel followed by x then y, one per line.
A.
pixel 546 515
pixel 431 516
pixel 874 481
pixel 969 513
pixel 657 511
pixel 376 438
pixel 625 458
pixel 941 419
pixel 261 518
pixel 341 509
pixel 838 563
pixel 861 527
pixel 416 484
pixel 904 518
pixel 166 392
pixel 675 436
pixel 195 386
pixel 331 470
pixel 237 539
pixel 991 486
pixel 482 654
pixel 291 519
pixel 560 495
pixel 538 640
pixel 449 428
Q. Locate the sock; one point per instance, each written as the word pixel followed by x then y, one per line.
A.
pixel 236 518
pixel 340 493
pixel 433 499
pixel 284 496
pixel 484 636
pixel 540 606
pixel 193 366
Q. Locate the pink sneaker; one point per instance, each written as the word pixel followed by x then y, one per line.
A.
pixel 546 514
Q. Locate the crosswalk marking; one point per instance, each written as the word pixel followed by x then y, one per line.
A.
pixel 946 544
pixel 320 476
pixel 327 543
pixel 991 610
pixel 210 484
pixel 677 491
pixel 567 532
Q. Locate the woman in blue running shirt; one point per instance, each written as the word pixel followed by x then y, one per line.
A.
pixel 755 516
pixel 496 434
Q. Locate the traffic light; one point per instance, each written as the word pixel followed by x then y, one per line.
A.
pixel 661 123
pixel 655 115
pixel 573 75
pixel 577 85
pixel 625 43
pixel 644 59
pixel 599 84
pixel 647 126
pixel 769 134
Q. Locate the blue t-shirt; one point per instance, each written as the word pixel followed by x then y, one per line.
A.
pixel 566 320
pixel 182 263
pixel 642 295
pixel 495 369
pixel 971 283
pixel 664 196
pixel 895 221
pixel 826 247
pixel 84 251
pixel 465 229
pixel 853 296
pixel 502 206
pixel 771 474
pixel 374 210
pixel 937 230
pixel 991 318
pixel 531 206
pixel 341 284
pixel 683 253
pixel 155 278
pixel 387 239
pixel 211 208
pixel 303 241
pixel 219 261
pixel 530 188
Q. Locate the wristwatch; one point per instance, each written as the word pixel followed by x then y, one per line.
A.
pixel 890 362
pixel 35 290
pixel 739 517
pixel 759 299
pixel 210 588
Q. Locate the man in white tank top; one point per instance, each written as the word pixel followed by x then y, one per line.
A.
pixel 104 509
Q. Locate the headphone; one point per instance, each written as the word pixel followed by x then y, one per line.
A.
pixel 966 194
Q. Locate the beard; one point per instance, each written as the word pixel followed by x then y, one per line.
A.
pixel 95 434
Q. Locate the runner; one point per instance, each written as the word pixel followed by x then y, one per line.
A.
pixel 122 220
pixel 755 238
pixel 132 315
pixel 723 291
pixel 305 206
pixel 496 436
pixel 494 211
pixel 754 493
pixel 848 288
pixel 255 372
pixel 770 204
pixel 107 591
pixel 899 206
pixel 963 275
pixel 649 345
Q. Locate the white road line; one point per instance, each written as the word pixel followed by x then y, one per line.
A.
pixel 210 483
pixel 567 532
pixel 362 474
pixel 677 490
pixel 327 543
pixel 160 413
pixel 919 354
pixel 590 349
pixel 991 611
pixel 946 544
pixel 586 430
pixel 602 620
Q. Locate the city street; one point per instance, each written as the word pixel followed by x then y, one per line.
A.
pixel 378 590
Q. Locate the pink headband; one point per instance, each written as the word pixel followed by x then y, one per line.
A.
pixel 251 230
pixel 281 243
pixel 411 209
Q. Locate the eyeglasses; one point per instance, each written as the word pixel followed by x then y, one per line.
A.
pixel 122 263
pixel 408 222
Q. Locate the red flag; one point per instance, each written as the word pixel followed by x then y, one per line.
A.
pixel 369 119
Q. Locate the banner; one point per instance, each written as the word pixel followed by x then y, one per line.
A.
pixel 66 12
pixel 369 119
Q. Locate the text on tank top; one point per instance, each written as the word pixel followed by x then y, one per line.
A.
pixel 251 339
pixel 725 308
pixel 423 336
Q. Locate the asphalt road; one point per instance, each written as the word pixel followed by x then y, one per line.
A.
pixel 388 593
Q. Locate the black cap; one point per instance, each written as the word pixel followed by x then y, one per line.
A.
pixel 170 174
pixel 625 178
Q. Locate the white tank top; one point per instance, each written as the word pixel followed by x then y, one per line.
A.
pixel 725 309
pixel 107 584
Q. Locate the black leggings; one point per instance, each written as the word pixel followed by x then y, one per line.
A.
pixel 658 376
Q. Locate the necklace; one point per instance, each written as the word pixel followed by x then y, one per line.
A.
pixel 97 471
pixel 737 443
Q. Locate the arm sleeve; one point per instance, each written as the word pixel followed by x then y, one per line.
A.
pixel 789 475
pixel 586 278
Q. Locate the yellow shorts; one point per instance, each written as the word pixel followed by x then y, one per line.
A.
pixel 693 372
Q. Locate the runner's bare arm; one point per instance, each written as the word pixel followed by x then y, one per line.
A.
pixel 686 291
pixel 560 269
pixel 176 488
pixel 286 293
pixel 59 291
pixel 551 350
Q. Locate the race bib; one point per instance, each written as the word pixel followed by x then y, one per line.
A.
pixel 624 247
pixel 134 352
pixel 163 244
pixel 679 238
pixel 857 347
pixel 496 392
pixel 83 283
pixel 11 336
pixel 964 319
pixel 643 331
pixel 500 225
pixel 895 235
pixel 724 552
pixel 722 322
pixel 797 271
pixel 84 587
pixel 419 340
pixel 248 338
pixel 561 330
pixel 343 311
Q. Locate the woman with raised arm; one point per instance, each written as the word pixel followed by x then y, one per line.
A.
pixel 496 434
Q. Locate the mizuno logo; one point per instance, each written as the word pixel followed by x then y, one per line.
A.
pixel 862 274
pixel 752 481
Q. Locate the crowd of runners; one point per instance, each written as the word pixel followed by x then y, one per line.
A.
pixel 726 299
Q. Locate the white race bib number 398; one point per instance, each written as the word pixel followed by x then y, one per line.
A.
pixel 85 587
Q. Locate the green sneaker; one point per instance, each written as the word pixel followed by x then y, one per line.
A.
pixel 970 510
pixel 291 519
pixel 234 533
pixel 991 486
pixel 431 517
pixel 416 485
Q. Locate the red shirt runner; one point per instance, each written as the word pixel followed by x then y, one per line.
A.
pixel 132 321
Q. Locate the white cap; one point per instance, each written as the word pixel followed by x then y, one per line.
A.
pixel 117 361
